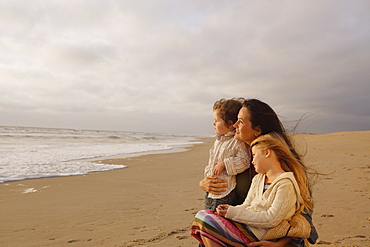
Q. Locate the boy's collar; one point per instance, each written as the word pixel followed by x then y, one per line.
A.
pixel 230 133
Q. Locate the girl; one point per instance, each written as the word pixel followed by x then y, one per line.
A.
pixel 278 191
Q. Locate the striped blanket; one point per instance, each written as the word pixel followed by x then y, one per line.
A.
pixel 221 230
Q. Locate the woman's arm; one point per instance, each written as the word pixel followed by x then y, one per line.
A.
pixel 213 185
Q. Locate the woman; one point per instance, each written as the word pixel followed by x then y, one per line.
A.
pixel 278 192
pixel 256 118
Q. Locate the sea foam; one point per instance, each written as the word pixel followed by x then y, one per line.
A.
pixel 43 152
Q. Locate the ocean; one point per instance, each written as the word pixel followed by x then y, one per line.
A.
pixel 27 152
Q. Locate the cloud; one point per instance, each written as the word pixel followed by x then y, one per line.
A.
pixel 164 63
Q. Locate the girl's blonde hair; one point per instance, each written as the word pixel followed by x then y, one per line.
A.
pixel 289 163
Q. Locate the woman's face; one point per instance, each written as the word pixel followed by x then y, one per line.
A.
pixel 244 130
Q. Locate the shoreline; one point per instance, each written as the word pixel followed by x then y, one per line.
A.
pixel 152 202
pixel 172 149
pixel 93 164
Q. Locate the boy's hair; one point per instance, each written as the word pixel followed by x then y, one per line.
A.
pixel 289 163
pixel 228 109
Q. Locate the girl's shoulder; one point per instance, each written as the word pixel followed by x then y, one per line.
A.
pixel 286 178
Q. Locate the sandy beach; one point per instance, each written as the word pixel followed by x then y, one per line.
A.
pixel 153 201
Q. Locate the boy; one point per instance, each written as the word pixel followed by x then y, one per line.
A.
pixel 228 156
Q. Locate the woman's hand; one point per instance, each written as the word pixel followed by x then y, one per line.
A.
pixel 281 243
pixel 221 210
pixel 265 244
pixel 213 185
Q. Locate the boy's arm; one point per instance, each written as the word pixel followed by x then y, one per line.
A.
pixel 240 162
pixel 219 167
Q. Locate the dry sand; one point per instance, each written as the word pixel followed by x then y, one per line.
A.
pixel 153 201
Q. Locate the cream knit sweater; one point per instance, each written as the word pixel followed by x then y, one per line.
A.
pixel 264 210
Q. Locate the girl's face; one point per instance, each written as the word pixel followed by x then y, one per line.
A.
pixel 244 130
pixel 219 124
pixel 259 160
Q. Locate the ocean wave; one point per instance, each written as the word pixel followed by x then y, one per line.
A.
pixel 36 152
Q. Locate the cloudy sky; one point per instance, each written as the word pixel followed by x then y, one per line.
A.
pixel 159 65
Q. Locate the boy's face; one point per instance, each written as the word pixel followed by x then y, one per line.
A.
pixel 219 124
